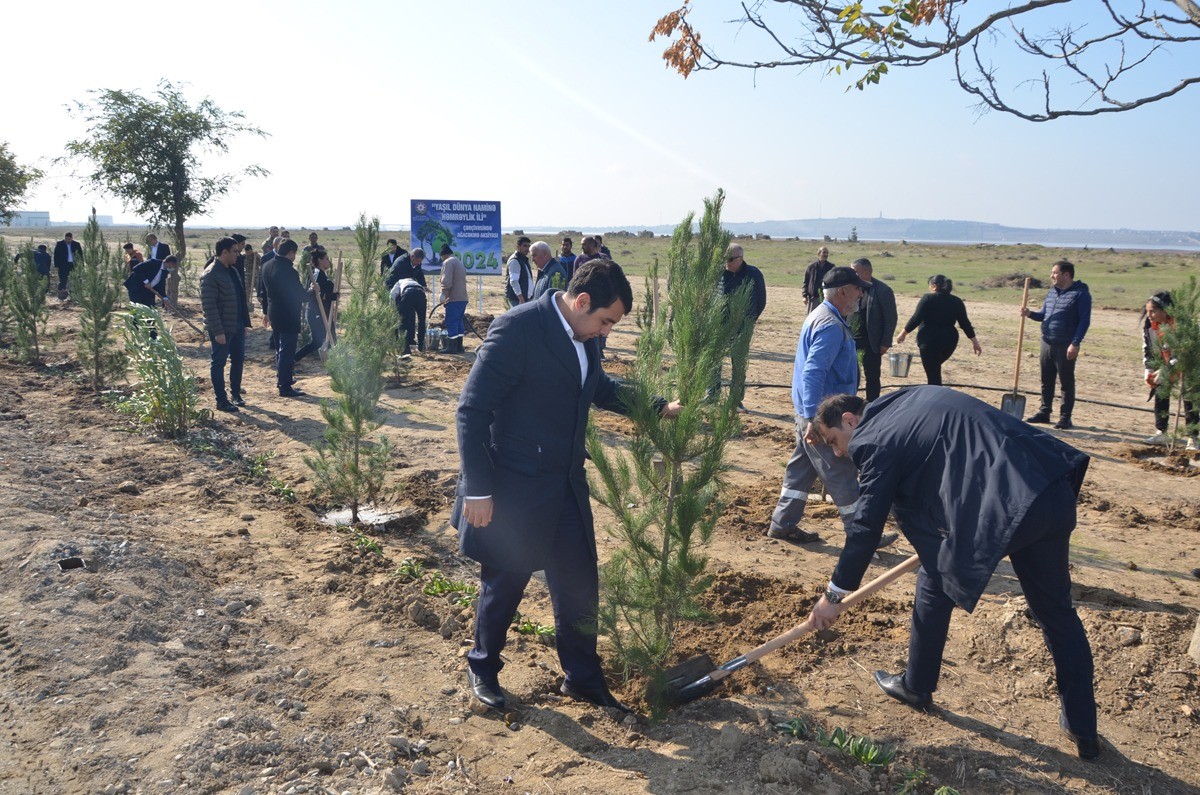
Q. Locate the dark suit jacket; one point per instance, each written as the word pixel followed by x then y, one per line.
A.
pixel 522 418
pixel 878 316
pixel 60 254
pixel 959 475
pixel 403 268
pixel 160 251
pixel 388 260
pixel 286 297
pixel 144 272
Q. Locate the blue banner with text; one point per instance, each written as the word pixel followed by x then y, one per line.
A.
pixel 470 228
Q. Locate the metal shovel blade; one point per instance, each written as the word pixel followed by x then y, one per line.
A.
pixel 1013 405
pixel 673 688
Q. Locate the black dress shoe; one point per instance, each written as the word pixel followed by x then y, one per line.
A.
pixel 1064 424
pixel 486 690
pixel 291 393
pixel 599 697
pixel 229 407
pixel 237 400
pixel 894 686
pixel 1087 747
pixel 1042 417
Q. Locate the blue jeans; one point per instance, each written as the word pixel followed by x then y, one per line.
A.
pixel 285 360
pixel 233 351
pixel 454 318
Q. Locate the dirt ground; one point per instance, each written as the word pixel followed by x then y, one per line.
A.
pixel 221 639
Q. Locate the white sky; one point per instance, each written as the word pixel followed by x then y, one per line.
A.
pixel 565 113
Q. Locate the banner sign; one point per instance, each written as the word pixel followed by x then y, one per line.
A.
pixel 470 228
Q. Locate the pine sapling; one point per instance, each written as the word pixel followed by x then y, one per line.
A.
pixel 165 396
pixel 98 286
pixel 665 493
pixel 30 306
pixel 350 468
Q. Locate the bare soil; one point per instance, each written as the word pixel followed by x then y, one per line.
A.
pixel 221 639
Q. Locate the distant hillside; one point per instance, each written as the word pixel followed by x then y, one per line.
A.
pixel 918 230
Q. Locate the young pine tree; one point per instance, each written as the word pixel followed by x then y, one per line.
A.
pixel 349 467
pixel 28 304
pixel 1182 373
pixel 665 493
pixel 97 289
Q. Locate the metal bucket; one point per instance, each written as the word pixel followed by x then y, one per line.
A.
pixel 433 340
pixel 898 364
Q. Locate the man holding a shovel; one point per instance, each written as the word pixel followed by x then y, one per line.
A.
pixel 968 485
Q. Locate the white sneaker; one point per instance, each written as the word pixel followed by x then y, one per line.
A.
pixel 1193 445
pixel 1160 439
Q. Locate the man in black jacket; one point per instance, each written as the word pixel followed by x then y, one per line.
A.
pixel 968 485
pixel 873 325
pixel 739 273
pixel 393 253
pixel 286 298
pixel 67 253
pixel 814 275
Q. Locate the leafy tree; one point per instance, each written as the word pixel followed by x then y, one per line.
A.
pixel 98 284
pixel 7 277
pixel 349 468
pixel 147 152
pixel 1078 68
pixel 664 494
pixel 432 234
pixel 166 395
pixel 15 180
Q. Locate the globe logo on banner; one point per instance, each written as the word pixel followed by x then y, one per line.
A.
pixel 470 228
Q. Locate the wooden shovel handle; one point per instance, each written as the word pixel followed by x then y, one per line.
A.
pixel 779 641
pixel 1021 336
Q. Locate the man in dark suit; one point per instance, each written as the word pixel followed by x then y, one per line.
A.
pixel 873 326
pixel 156 250
pixel 393 253
pixel 286 299
pixel 148 280
pixel 968 485
pixel 814 276
pixel 523 502
pixel 67 253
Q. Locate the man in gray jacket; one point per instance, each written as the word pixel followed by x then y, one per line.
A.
pixel 226 318
pixel 874 325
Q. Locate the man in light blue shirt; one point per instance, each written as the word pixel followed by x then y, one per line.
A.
pixel 826 364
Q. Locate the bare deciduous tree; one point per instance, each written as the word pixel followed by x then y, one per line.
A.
pixel 1060 66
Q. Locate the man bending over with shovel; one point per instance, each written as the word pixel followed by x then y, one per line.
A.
pixel 968 485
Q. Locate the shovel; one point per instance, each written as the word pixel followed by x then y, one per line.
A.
pixel 698 676
pixel 1014 404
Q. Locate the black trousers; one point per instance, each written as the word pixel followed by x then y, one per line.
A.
pixel 574 591
pixel 1057 367
pixel 1039 552
pixel 933 356
pixel 410 305
pixel 1162 415
pixel 871 365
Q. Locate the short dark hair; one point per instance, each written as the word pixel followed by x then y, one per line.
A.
pixel 224 244
pixel 239 239
pixel 127 246
pixel 170 258
pixel 522 239
pixel 288 246
pixel 829 413
pixel 392 241
pixel 1065 267
pixel 863 262
pixel 604 281
pixel 319 253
